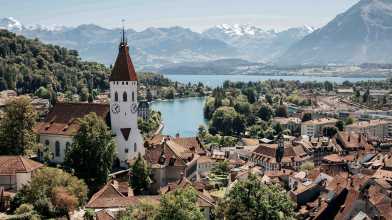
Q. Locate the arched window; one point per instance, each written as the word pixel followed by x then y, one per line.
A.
pixel 116 97
pixel 47 142
pixel 133 96
pixel 125 97
pixel 57 149
pixel 134 147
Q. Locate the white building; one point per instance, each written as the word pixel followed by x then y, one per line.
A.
pixel 314 128
pixel 124 107
pixel 372 128
pixel 57 130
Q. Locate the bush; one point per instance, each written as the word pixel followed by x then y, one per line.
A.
pixel 24 208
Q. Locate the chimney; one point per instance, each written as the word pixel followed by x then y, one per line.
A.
pixel 359 138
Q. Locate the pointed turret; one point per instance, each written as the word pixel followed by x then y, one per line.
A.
pixel 123 69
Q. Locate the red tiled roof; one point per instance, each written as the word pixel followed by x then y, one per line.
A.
pixel 123 69
pixel 291 153
pixel 9 165
pixel 104 215
pixel 62 119
pixel 190 143
pixel 110 197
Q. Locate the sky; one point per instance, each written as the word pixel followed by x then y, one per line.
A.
pixel 195 14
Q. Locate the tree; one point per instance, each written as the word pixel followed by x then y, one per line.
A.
pixel 221 168
pixel 223 120
pixel 281 111
pixel 53 192
pixel 340 125
pixel 250 94
pixel 144 210
pixel 92 152
pixel 330 131
pixel 307 166
pixel 265 112
pixel 307 116
pixel 140 179
pixel 202 132
pixel 251 199
pixel 180 204
pixel 349 120
pixel 16 127
pixel 42 92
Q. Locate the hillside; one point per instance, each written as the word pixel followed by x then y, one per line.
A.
pixel 26 65
pixel 361 34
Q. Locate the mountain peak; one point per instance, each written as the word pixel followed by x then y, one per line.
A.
pixel 10 23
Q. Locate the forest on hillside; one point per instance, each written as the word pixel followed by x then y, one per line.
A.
pixel 26 65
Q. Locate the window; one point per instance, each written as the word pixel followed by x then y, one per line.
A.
pixel 57 149
pixel 133 96
pixel 116 96
pixel 126 150
pixel 134 147
pixel 125 97
pixel 47 142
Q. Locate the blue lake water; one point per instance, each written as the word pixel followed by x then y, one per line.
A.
pixel 181 116
pixel 184 116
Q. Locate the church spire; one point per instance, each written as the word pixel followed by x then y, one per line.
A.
pixel 123 69
pixel 123 39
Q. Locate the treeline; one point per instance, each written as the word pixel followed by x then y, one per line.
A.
pixel 26 65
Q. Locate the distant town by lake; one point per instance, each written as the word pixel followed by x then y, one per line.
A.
pixel 185 115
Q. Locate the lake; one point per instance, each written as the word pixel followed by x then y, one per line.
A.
pixel 181 116
pixel 184 116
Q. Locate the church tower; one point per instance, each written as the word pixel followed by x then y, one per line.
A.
pixel 124 106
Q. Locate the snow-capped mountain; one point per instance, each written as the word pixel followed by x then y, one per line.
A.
pixel 361 34
pixel 255 43
pixel 10 24
pixel 156 47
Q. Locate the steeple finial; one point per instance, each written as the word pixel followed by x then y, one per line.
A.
pixel 123 39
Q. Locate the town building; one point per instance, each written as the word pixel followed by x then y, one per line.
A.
pixel 144 110
pixel 57 130
pixel 266 156
pixel 292 123
pixel 170 162
pixel 372 128
pixel 16 171
pixel 315 127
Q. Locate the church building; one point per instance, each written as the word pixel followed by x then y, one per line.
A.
pixel 57 130
pixel 124 106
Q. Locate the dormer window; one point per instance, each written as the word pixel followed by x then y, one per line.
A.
pixel 125 97
pixel 116 97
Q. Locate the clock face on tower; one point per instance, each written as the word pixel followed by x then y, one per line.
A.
pixel 134 108
pixel 116 108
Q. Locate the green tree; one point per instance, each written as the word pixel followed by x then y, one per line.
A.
pixel 281 111
pixel 92 153
pixel 307 166
pixel 223 119
pixel 51 190
pixel 140 178
pixel 265 112
pixel 349 120
pixel 307 116
pixel 221 168
pixel 16 127
pixel 180 204
pixel 330 131
pixel 251 199
pixel 340 125
pixel 42 92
